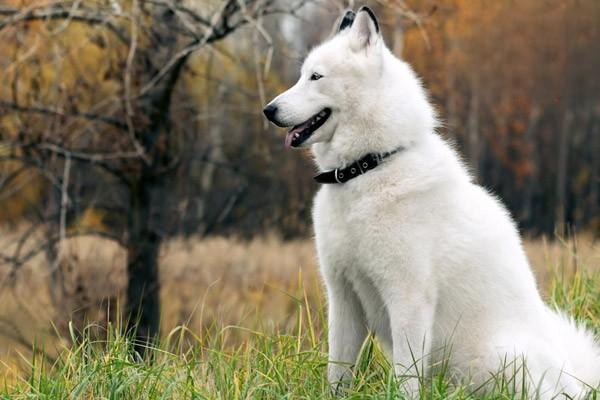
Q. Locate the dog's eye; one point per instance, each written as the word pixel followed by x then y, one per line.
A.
pixel 315 76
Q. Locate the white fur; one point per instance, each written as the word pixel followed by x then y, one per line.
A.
pixel 413 250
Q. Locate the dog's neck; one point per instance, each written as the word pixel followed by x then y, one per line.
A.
pixel 384 122
pixel 340 154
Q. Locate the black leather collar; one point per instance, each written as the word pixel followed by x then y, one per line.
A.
pixel 343 175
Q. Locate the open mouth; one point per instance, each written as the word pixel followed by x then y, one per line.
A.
pixel 300 133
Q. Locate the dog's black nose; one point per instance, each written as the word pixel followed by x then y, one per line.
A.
pixel 270 110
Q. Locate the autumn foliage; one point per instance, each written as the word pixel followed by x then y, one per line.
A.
pixel 139 121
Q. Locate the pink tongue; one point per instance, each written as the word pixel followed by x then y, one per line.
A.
pixel 288 139
pixel 290 135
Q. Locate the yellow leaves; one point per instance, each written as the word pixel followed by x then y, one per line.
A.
pixel 4 150
pixel 56 58
pixel 22 191
pixel 9 127
pixel 91 219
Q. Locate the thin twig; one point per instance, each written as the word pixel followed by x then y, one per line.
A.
pixel 62 113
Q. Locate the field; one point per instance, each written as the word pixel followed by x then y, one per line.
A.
pixel 241 319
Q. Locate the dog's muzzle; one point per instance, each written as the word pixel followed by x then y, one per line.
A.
pixel 270 112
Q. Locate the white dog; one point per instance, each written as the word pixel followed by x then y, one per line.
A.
pixel 410 248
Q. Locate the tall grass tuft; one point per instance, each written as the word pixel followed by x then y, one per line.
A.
pixel 579 296
pixel 269 363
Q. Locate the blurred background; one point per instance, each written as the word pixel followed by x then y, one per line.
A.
pixel 140 182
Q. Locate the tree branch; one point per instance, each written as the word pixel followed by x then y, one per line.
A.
pixel 17 262
pixel 58 112
pixel 15 16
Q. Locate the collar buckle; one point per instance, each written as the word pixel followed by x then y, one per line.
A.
pixel 335 175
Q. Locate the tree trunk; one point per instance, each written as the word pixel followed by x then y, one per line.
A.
pixel 473 127
pixel 143 289
pixel 531 180
pixel 594 211
pixel 561 173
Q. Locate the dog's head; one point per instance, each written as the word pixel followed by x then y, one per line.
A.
pixel 336 79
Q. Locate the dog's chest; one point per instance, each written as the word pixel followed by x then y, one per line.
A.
pixel 348 238
pixel 348 229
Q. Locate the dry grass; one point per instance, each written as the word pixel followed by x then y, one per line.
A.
pixel 562 256
pixel 224 281
pixel 215 281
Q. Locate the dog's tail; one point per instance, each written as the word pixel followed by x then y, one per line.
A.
pixel 583 349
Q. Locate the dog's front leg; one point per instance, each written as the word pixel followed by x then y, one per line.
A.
pixel 411 311
pixel 347 331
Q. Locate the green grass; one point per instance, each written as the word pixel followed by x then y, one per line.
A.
pixel 275 365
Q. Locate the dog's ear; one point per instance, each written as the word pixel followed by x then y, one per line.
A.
pixel 347 20
pixel 365 29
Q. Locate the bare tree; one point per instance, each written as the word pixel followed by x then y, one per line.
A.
pixel 128 139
